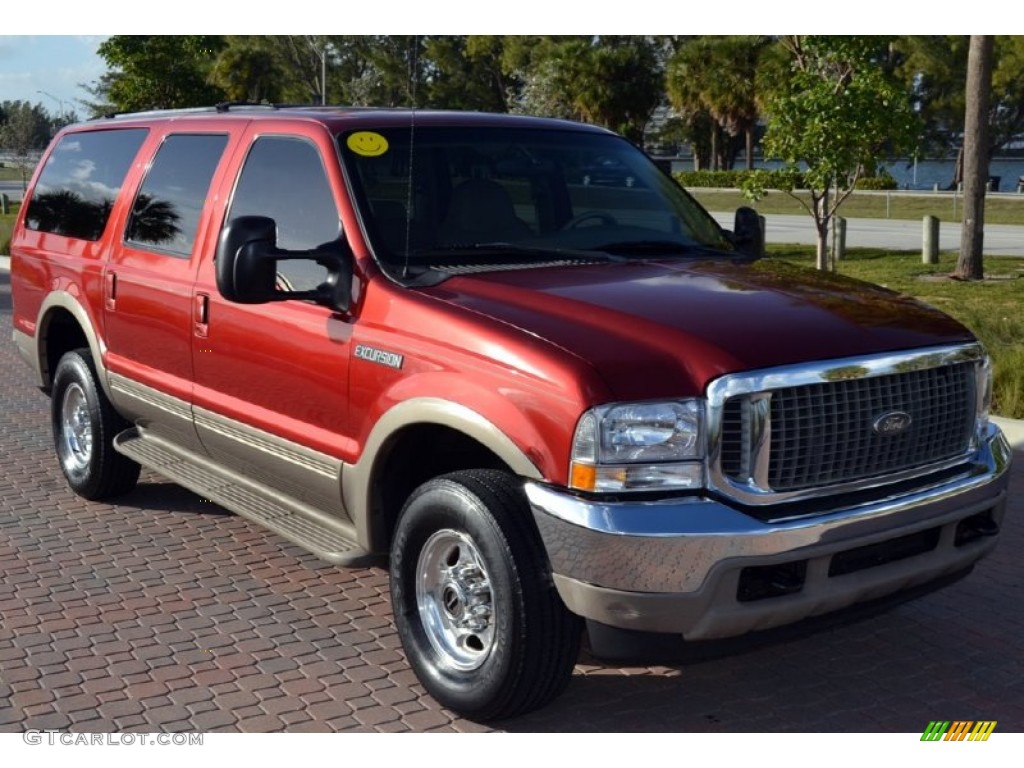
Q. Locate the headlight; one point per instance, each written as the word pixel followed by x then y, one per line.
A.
pixel 639 447
pixel 984 373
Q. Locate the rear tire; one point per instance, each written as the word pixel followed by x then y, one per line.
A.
pixel 478 615
pixel 84 427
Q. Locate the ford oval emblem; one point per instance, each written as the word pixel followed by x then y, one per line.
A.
pixel 892 423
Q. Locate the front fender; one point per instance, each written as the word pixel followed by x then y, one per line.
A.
pixel 357 478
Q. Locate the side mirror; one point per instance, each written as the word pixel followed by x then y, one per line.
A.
pixel 246 266
pixel 748 234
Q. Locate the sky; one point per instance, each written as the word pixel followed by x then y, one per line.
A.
pixel 57 64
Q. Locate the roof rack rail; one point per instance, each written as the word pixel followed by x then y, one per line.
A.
pixel 228 106
pixel 224 106
pixel 148 112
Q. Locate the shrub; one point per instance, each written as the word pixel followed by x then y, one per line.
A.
pixel 735 179
pixel 706 179
pixel 884 181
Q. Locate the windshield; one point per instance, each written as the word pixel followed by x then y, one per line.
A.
pixel 459 199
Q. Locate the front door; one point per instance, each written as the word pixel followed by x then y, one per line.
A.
pixel 271 379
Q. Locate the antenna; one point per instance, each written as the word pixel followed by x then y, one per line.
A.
pixel 412 155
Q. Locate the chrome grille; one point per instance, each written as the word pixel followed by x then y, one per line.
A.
pixel 821 435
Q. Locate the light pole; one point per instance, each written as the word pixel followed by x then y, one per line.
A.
pixel 320 52
pixel 323 73
pixel 60 102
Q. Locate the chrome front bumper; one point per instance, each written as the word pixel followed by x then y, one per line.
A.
pixel 675 565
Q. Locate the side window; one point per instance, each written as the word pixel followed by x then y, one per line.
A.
pixel 284 178
pixel 165 215
pixel 80 182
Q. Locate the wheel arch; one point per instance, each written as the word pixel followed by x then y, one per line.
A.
pixel 63 325
pixel 446 435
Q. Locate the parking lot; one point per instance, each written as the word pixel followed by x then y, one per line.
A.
pixel 165 613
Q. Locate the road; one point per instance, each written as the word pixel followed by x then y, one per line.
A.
pixel 162 612
pixel 12 189
pixel 897 234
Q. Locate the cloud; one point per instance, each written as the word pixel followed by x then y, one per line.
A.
pixel 12 45
pixel 50 70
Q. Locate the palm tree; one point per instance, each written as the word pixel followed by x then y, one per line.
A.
pixel 979 85
pixel 717 76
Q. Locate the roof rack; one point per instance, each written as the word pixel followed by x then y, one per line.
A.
pixel 224 107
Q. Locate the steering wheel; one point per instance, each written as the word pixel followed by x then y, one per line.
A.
pixel 606 219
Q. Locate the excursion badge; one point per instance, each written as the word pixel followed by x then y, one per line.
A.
pixel 379 356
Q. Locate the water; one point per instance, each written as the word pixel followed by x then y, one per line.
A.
pixel 927 174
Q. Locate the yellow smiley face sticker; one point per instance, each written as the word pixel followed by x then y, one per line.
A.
pixel 367 143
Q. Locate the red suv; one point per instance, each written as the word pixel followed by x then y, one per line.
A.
pixel 421 334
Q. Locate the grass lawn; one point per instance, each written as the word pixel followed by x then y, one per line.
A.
pixel 874 205
pixel 6 226
pixel 10 173
pixel 990 308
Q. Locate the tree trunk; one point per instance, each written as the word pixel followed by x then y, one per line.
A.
pixel 979 84
pixel 822 252
pixel 749 133
pixel 821 220
pixel 958 171
pixel 714 147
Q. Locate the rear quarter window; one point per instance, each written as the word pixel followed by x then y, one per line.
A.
pixel 80 182
pixel 167 208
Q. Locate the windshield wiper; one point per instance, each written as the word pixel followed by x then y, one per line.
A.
pixel 473 250
pixel 658 248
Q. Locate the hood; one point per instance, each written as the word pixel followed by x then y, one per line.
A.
pixel 656 329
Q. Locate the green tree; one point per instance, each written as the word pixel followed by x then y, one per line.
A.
pixel 934 70
pixel 464 72
pixel 444 71
pixel 712 84
pixel 831 118
pixel 615 81
pixel 287 68
pixel 24 133
pixel 308 62
pixel 246 70
pixel 1006 110
pixel 393 70
pixel 157 72
pixel 536 64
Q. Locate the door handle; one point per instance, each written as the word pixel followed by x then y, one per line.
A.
pixel 201 315
pixel 110 291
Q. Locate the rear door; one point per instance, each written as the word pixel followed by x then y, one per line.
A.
pixel 147 284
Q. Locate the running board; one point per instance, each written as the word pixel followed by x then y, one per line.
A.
pixel 311 529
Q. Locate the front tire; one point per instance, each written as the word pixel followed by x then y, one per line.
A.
pixel 84 427
pixel 476 610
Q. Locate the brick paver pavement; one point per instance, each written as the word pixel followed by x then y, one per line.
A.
pixel 165 613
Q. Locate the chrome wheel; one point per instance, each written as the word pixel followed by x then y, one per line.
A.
pixel 475 607
pixel 75 443
pixel 453 596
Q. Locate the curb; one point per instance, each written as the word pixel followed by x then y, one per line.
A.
pixel 1013 429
